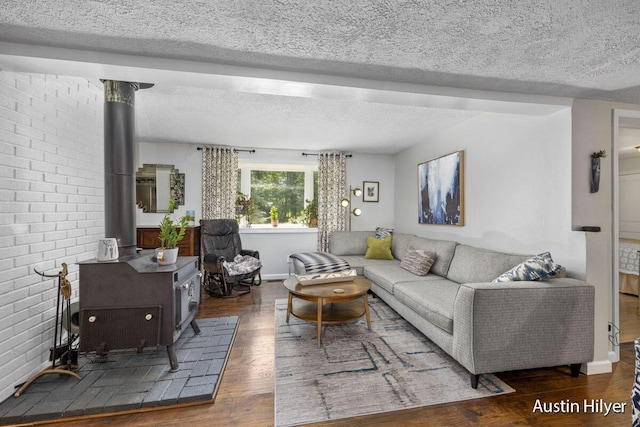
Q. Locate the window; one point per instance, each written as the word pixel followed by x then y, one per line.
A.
pixel 287 187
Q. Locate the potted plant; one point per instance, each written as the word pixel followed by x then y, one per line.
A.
pixel 273 214
pixel 170 234
pixel 311 213
pixel 595 169
pixel 244 209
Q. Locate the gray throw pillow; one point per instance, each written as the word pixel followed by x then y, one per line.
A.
pixel 417 261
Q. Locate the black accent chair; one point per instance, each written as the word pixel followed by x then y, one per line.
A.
pixel 220 242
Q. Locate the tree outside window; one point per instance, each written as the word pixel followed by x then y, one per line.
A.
pixel 284 190
pixel 287 190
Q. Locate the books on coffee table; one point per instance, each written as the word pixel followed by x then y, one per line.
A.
pixel 319 278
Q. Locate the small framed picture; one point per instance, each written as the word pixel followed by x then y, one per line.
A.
pixel 370 191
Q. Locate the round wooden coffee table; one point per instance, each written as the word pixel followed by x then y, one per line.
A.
pixel 337 302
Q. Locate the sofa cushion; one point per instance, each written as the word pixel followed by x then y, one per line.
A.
pixel 359 262
pixel 539 267
pixel 444 250
pixel 349 242
pixel 433 300
pixel 477 265
pixel 378 249
pixel 400 244
pixel 387 273
pixel 417 261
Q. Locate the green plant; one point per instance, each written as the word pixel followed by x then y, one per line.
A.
pixel 171 232
pixel 598 154
pixel 244 206
pixel 311 211
pixel 273 213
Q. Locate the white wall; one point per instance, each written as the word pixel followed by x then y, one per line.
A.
pixel 629 201
pixel 592 131
pixel 517 186
pixel 52 193
pixel 629 181
pixel 276 244
pixel 377 168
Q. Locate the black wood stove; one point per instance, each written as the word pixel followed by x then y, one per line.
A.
pixel 133 302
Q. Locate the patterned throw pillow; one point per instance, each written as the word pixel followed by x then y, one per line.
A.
pixel 378 249
pixel 539 267
pixel 417 261
pixel 382 232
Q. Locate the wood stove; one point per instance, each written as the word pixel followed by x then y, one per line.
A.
pixel 133 302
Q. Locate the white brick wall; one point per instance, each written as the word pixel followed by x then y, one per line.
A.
pixel 51 207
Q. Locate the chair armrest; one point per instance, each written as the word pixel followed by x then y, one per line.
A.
pixel 212 262
pixel 250 252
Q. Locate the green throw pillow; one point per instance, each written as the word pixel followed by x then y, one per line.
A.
pixel 378 249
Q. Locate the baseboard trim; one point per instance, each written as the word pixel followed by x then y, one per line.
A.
pixel 614 356
pixel 274 276
pixel 597 367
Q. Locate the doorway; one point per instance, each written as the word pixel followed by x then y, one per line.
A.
pixel 626 227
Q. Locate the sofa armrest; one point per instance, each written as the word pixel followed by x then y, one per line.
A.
pixel 523 325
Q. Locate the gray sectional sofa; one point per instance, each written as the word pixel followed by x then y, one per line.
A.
pixel 487 327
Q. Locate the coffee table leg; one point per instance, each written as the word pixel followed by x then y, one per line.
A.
pixel 319 320
pixel 289 306
pixel 366 310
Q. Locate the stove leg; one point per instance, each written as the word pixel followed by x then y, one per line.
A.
pixel 195 327
pixel 173 361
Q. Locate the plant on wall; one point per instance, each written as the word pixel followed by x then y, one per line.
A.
pixel 595 169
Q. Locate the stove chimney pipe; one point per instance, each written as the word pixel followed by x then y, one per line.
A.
pixel 119 163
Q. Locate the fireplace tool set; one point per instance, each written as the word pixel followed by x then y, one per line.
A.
pixel 61 351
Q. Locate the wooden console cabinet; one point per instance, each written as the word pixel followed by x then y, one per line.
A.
pixel 189 246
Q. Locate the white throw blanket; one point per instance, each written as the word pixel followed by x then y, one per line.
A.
pixel 242 264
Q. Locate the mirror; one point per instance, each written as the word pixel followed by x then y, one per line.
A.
pixel 156 184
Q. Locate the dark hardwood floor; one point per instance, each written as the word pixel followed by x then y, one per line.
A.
pixel 246 393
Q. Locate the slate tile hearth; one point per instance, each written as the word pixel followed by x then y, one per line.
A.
pixel 126 380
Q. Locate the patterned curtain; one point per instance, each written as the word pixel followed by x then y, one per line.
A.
pixel 332 181
pixel 219 182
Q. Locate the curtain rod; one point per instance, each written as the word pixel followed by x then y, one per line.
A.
pixel 234 149
pixel 316 154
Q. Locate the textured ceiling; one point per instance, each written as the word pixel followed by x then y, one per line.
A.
pixel 262 121
pixel 569 48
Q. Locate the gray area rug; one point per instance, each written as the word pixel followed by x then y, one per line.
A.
pixel 126 380
pixel 358 372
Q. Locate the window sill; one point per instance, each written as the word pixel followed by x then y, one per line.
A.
pixel 277 230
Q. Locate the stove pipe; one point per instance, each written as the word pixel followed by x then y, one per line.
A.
pixel 119 163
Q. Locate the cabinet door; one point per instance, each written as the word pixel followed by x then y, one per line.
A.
pixel 148 238
pixel 189 246
pixel 185 245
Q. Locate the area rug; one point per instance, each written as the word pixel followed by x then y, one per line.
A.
pixel 358 372
pixel 127 380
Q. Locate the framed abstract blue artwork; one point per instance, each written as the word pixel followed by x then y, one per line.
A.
pixel 440 190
